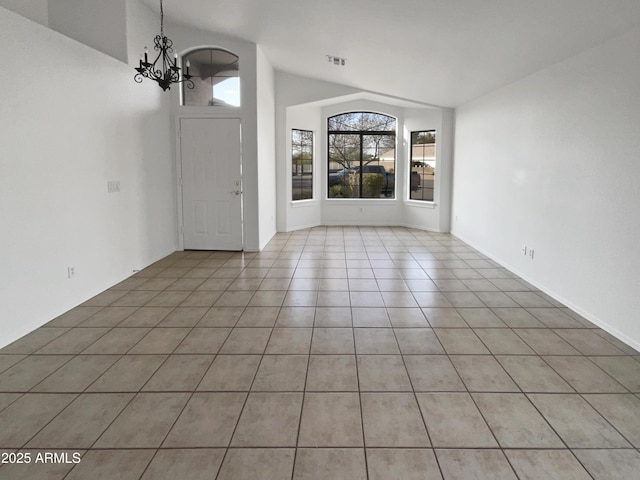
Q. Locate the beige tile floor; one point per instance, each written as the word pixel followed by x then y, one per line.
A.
pixel 336 353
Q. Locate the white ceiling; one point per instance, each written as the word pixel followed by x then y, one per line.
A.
pixel 442 52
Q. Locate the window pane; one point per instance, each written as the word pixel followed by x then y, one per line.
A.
pixel 302 164
pixel 227 92
pixel 379 165
pixel 344 159
pixel 423 165
pixel 362 122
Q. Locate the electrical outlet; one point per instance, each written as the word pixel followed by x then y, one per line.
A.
pixel 113 186
pixel 524 250
pixel 531 253
pixel 71 272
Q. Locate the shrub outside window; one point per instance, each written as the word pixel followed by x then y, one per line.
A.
pixel 362 155
pixel 423 165
pixel 301 164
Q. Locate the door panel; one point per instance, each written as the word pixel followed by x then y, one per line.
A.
pixel 211 183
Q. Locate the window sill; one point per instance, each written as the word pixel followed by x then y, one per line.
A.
pixel 303 203
pixel 370 201
pixel 421 204
pixel 206 110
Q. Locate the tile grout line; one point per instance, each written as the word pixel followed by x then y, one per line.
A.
pixel 304 393
pixel 397 253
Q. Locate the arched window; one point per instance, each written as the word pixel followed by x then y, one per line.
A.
pixel 362 155
pixel 216 79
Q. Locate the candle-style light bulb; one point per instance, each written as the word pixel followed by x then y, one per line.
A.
pixel 146 55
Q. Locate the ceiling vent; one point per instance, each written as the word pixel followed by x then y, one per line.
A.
pixel 337 60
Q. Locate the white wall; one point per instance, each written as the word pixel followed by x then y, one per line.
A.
pixel 445 182
pixel 266 148
pixel 99 24
pixel 301 213
pixel 434 215
pixel 64 132
pixel 142 25
pixel 36 10
pixel 552 162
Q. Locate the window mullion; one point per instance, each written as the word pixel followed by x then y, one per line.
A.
pixel 361 170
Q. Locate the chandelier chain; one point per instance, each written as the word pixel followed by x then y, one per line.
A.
pixel 161 20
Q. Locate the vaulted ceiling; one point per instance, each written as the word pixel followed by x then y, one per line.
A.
pixel 441 52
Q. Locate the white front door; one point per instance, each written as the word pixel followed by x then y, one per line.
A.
pixel 211 183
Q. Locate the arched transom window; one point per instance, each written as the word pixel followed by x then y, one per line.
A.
pixel 216 78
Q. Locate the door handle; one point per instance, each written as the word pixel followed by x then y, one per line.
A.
pixel 236 192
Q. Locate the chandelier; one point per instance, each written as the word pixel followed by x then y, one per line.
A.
pixel 168 72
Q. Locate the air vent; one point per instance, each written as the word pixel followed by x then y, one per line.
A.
pixel 337 60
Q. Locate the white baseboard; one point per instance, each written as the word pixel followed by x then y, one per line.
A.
pixel 421 227
pixel 567 303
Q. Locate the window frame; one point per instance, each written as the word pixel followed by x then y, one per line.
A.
pixel 312 163
pixel 410 162
pixel 361 134
pixel 183 91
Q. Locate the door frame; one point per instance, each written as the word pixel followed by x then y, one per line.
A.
pixel 178 178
